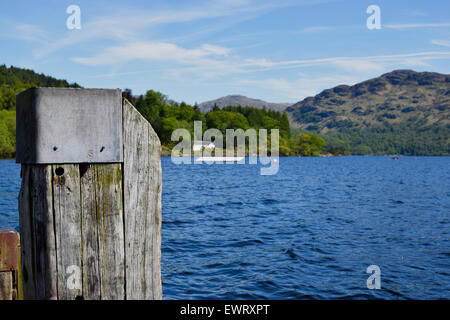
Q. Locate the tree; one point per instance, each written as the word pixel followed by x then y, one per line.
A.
pixel 308 145
pixel 7 133
pixel 223 120
pixel 285 129
pixel 186 112
pixel 168 125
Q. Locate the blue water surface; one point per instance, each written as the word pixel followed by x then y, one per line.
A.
pixel 308 232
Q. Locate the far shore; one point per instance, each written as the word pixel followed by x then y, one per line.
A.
pixel 168 154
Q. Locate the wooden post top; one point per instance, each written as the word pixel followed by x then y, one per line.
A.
pixel 69 125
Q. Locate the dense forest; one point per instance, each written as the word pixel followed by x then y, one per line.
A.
pixel 166 116
pixel 391 139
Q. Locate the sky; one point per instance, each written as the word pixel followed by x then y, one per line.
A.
pixel 194 51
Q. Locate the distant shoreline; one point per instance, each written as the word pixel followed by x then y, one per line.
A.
pixel 165 154
pixel 344 155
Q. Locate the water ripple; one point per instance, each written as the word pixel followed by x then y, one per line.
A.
pixel 309 232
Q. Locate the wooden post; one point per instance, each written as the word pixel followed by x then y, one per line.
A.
pixel 9 284
pixel 90 200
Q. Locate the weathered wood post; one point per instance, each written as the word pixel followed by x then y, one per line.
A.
pixel 90 200
pixel 9 271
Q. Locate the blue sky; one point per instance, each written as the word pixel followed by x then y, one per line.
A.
pixel 193 51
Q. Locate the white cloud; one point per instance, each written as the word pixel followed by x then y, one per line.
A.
pixel 316 28
pixel 208 61
pixel 27 32
pixel 416 25
pixel 367 63
pixel 416 13
pixel 205 69
pixel 218 50
pixel 444 43
pixel 262 62
pixel 360 68
pixel 156 51
pixel 360 65
pixel 302 87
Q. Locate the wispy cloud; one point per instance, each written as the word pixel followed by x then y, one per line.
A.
pixel 416 25
pixel 208 61
pixel 365 64
pixel 301 87
pixel 359 68
pixel 121 27
pixel 359 65
pixel 314 29
pixel 444 43
pixel 27 32
pixel 156 51
pixel 415 13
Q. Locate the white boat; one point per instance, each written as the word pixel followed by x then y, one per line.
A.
pixel 219 159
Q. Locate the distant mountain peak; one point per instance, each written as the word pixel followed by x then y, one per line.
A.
pixel 240 100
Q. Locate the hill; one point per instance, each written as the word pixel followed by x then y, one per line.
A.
pixel 12 81
pixel 16 76
pixel 401 112
pixel 238 100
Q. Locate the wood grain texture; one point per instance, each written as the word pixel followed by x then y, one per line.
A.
pixel 43 231
pixel 142 206
pixel 110 230
pixel 66 197
pixel 38 252
pixel 26 238
pixel 89 234
pixel 155 206
pixel 73 234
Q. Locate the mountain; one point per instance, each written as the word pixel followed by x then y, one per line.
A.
pixel 238 100
pixel 401 112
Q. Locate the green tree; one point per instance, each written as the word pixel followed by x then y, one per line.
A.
pixel 308 145
pixel 7 133
pixel 223 120
pixel 285 129
pixel 186 112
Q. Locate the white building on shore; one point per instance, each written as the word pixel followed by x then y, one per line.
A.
pixel 199 145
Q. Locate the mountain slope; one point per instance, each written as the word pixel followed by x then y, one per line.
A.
pixel 17 76
pixel 13 80
pixel 238 100
pixel 399 112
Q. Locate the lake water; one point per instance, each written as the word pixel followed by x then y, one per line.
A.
pixel 308 232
